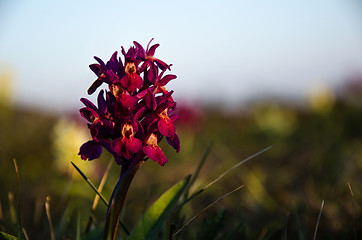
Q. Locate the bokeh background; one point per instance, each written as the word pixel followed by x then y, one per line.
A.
pixel 250 75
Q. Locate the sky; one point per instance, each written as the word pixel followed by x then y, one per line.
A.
pixel 224 52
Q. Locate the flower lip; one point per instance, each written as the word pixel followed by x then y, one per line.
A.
pixel 152 140
pixel 127 130
pixel 130 67
pixel 117 89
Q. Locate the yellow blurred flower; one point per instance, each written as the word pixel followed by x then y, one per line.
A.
pixel 274 118
pixel 321 98
pixel 68 136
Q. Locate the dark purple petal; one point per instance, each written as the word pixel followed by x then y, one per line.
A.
pixel 140 132
pixel 95 85
pixel 111 76
pixel 96 68
pixel 174 142
pixel 121 70
pixel 88 103
pixel 131 54
pixel 152 74
pixel 102 65
pixel 90 150
pixel 102 105
pixel 89 114
pixel 140 50
pixel 112 64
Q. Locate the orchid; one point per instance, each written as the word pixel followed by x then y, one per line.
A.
pixel 131 117
pixel 136 113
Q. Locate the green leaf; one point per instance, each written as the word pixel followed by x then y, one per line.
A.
pixel 152 221
pixel 5 236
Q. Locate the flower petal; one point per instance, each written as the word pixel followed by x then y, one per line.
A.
pixel 102 65
pixel 140 50
pixel 89 114
pixel 150 100
pixel 152 49
pixel 174 142
pixel 166 127
pixel 90 150
pixel 155 154
pixel 102 105
pixel 96 68
pixel 112 64
pixel 131 82
pixel 166 79
pixel 95 85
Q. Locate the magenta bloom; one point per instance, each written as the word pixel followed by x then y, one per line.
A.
pixel 135 112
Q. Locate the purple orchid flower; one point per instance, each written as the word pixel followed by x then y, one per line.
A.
pixel 137 111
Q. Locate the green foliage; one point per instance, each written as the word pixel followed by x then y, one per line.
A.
pixel 153 220
pixel 5 236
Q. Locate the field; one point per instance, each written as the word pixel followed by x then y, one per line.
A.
pixel 308 184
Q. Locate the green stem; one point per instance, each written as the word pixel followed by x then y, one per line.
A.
pixel 115 205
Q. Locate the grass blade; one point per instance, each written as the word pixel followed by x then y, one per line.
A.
pixel 354 209
pixel 47 209
pixel 90 184
pixel 12 208
pixel 154 218
pixel 203 210
pixel 199 166
pixel 319 217
pixel 96 199
pixel 25 234
pixel 224 173
pixel 18 215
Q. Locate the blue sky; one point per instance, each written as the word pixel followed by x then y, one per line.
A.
pixel 222 51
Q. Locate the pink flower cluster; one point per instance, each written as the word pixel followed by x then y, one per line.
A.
pixel 135 113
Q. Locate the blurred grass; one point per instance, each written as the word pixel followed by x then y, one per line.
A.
pixel 316 153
